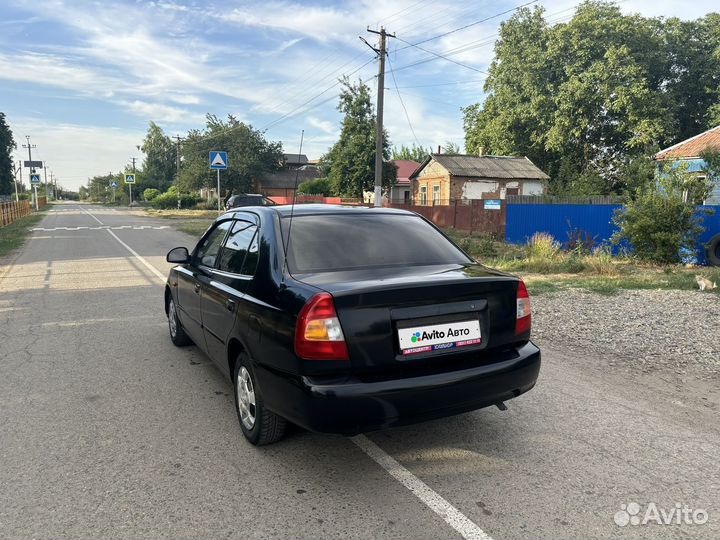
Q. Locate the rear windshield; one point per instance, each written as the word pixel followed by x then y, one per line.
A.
pixel 349 242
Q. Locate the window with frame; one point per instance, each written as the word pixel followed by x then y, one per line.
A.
pixel 207 252
pixel 236 247
pixel 436 195
pixel 423 195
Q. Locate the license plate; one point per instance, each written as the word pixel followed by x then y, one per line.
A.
pixel 438 337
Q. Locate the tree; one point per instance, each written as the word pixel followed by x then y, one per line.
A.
pixel 7 145
pixel 661 222
pixel 318 186
pixel 159 165
pixel 583 99
pixel 350 163
pixel 451 149
pixel 250 155
pixel 411 153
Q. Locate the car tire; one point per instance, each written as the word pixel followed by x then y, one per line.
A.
pixel 259 425
pixel 177 332
pixel 713 251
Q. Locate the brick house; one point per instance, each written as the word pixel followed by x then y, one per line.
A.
pixel 443 178
pixel 688 152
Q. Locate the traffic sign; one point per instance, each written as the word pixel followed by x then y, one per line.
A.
pixel 113 184
pixel 130 178
pixel 218 160
pixel 34 179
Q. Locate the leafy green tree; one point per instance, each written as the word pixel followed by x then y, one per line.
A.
pixel 150 193
pixel 7 145
pixel 250 156
pixel 318 186
pixel 159 165
pixel 451 149
pixel 350 163
pixel 411 153
pixel 661 221
pixel 583 99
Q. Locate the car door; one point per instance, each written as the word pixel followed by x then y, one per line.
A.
pixel 225 288
pixel 191 277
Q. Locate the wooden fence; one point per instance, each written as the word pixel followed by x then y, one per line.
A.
pixel 472 216
pixel 11 211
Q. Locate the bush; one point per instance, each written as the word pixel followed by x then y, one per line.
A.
pixel 542 246
pixel 662 221
pixel 150 193
pixel 207 205
pixel 169 199
pixel 319 186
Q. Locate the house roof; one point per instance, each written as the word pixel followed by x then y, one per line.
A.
pixel 285 179
pixel 405 168
pixel 503 167
pixel 692 147
pixel 295 159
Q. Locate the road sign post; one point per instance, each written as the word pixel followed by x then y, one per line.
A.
pixel 218 162
pixel 35 180
pixel 130 180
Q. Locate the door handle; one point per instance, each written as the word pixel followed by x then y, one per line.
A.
pixel 230 304
pixel 197 288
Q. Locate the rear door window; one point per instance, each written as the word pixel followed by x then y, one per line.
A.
pixel 236 247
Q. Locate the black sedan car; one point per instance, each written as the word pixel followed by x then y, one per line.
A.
pixel 345 319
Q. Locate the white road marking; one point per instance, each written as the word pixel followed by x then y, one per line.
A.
pixel 452 516
pixel 135 254
pixel 116 228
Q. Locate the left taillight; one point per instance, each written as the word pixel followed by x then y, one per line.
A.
pixel 523 321
pixel 318 334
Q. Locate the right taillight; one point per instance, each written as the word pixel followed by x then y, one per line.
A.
pixel 318 334
pixel 523 321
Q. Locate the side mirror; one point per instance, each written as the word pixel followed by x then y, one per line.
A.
pixel 178 255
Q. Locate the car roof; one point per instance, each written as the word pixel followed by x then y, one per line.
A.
pixel 285 210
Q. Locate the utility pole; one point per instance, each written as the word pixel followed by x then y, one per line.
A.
pixel 177 170
pixel 15 180
pixel 32 169
pixel 130 185
pixel 47 192
pixel 381 52
pixel 20 170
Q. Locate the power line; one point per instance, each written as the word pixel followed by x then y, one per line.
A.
pixel 468 25
pixel 442 56
pixel 407 116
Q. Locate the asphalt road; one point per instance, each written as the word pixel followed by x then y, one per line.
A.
pixel 108 430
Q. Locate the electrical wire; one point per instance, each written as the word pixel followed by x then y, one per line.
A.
pixel 407 116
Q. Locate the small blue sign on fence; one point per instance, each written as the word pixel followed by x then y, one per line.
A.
pixel 492 204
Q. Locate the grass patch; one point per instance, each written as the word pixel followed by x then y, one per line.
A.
pixel 181 214
pixel 13 236
pixel 546 268
pixel 193 227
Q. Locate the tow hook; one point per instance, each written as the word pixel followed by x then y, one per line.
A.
pixel 500 405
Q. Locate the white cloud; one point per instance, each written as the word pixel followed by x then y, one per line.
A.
pixel 160 113
pixel 322 125
pixel 75 152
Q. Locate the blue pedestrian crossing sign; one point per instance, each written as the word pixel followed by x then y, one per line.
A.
pixel 34 178
pixel 130 178
pixel 218 160
pixel 113 184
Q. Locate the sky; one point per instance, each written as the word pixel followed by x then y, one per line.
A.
pixel 84 79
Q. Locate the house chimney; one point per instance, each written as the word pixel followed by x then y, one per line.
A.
pixel 439 149
pixel 481 151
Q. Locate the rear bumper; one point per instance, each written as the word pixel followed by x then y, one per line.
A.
pixel 353 406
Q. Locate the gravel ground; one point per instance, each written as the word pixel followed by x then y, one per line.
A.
pixel 647 330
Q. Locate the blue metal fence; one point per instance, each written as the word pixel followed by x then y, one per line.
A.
pixel 565 221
